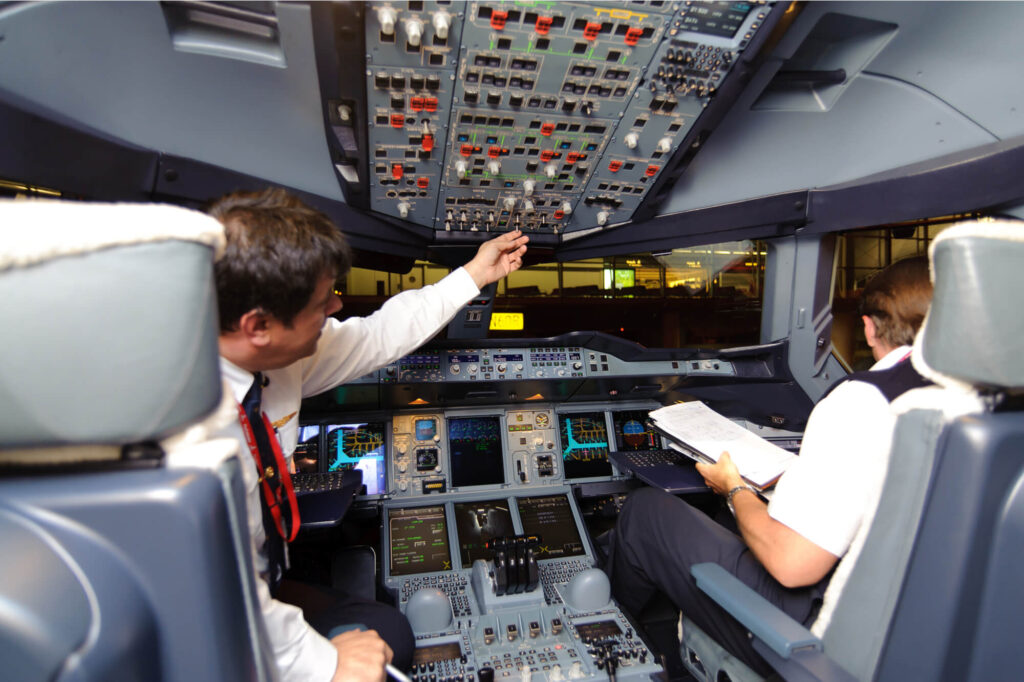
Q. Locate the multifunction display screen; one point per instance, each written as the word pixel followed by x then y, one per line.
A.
pixel 474 444
pixel 550 518
pixel 716 18
pixel 419 541
pixel 359 446
pixel 632 432
pixel 307 450
pixel 478 522
pixel 584 438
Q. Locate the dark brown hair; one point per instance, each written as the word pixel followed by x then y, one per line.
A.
pixel 897 298
pixel 278 249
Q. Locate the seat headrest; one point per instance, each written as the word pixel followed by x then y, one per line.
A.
pixel 110 322
pixel 972 335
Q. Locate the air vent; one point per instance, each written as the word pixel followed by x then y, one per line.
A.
pixel 244 31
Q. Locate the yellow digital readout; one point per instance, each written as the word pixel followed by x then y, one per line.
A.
pixel 507 321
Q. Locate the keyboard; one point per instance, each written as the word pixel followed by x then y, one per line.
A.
pixel 641 459
pixel 324 498
pixel 306 483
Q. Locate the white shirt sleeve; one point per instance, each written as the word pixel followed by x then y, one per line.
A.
pixel 300 651
pixel 844 452
pixel 358 345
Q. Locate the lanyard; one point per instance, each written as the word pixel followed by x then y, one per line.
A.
pixel 267 473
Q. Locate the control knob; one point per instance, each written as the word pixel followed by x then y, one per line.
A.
pixel 577 365
pixel 460 169
pixel 665 145
pixel 527 206
pixel 510 203
pixel 550 170
pixel 442 20
pixel 602 217
pixel 528 186
pixel 454 369
pixel 501 368
pixel 494 167
pixel 403 209
pixel 631 140
pixel 566 208
pixel 386 16
pixel 414 31
pixel 472 369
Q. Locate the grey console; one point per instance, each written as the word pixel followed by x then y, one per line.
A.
pixel 474 615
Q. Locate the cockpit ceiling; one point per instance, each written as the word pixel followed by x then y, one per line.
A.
pixel 598 128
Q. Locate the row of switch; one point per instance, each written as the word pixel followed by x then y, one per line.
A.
pixel 413 26
pixel 383 80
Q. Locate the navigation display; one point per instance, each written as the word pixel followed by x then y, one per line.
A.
pixel 358 446
pixel 550 518
pixel 419 541
pixel 716 18
pixel 632 431
pixel 584 439
pixel 478 522
pixel 307 451
pixel 474 444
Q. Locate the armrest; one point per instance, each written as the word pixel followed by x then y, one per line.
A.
pixel 789 647
pixel 771 625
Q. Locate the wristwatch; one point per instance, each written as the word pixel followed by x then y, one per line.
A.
pixel 728 498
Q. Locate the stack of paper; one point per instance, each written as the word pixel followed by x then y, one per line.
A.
pixel 701 433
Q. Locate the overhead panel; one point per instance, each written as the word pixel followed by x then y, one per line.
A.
pixel 547 117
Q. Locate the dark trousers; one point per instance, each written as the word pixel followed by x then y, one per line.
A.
pixel 659 537
pixel 326 609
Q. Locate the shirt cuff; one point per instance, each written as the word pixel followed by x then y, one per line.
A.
pixel 458 285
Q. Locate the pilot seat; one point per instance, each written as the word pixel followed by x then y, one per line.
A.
pixel 930 588
pixel 125 549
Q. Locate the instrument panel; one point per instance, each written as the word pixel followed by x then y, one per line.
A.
pixel 545 117
pixel 535 362
pixel 478 616
pixel 421 453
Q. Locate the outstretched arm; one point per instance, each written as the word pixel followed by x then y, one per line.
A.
pixel 791 558
pixel 497 257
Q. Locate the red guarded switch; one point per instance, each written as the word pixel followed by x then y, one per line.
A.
pixel 614 166
pixel 652 171
pixel 591 30
pixel 422 182
pixel 543 25
pixel 633 35
pixel 498 20
pixel 427 144
pixel 397 171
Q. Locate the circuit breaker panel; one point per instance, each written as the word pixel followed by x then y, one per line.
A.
pixel 551 117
